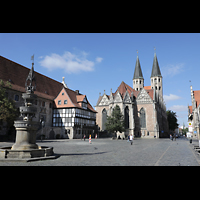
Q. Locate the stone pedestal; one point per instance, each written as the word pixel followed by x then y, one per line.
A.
pixel 25 135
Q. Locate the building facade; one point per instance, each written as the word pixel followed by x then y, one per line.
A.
pixel 143 107
pixel 194 113
pixel 65 113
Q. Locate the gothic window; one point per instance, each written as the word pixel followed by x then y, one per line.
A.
pixel 104 119
pixel 142 118
pixel 126 114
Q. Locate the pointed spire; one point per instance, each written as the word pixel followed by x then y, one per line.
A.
pixel 138 71
pixel 29 86
pixel 155 68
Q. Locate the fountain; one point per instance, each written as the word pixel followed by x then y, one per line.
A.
pixel 25 147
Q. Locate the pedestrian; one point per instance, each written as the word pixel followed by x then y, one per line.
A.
pixel 131 139
pixel 128 138
pixel 84 137
pixel 171 137
pixel 174 137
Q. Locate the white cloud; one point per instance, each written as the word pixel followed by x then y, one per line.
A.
pixel 178 108
pixel 99 59
pixel 171 97
pixel 71 63
pixel 172 70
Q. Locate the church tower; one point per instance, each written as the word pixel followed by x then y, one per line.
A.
pixel 138 80
pixel 156 78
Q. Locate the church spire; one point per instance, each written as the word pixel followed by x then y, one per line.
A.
pixel 155 69
pixel 138 71
pixel 138 80
pixel 156 79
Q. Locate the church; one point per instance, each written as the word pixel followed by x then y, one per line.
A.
pixel 143 107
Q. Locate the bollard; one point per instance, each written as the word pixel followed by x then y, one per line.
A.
pixel 190 140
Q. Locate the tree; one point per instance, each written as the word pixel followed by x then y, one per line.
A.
pixel 115 122
pixel 8 111
pixel 172 120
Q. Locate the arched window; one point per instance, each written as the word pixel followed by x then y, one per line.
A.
pixel 126 117
pixel 104 119
pixel 142 118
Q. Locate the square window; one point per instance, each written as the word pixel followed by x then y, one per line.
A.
pixel 59 102
pixel 16 97
pixel 65 101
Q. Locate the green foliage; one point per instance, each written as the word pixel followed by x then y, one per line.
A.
pixel 8 111
pixel 172 120
pixel 115 122
pixel 184 131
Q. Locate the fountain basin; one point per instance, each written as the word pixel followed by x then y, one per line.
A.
pixel 43 152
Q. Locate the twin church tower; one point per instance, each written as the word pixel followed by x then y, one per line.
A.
pixel 156 77
pixel 143 107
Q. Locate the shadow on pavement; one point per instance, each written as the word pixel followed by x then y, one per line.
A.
pixel 78 154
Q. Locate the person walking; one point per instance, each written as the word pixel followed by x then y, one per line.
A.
pixel 128 138
pixel 131 139
pixel 174 136
pixel 171 137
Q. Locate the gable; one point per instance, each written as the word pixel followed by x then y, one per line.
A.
pixel 65 100
pixel 127 98
pixel 117 98
pixel 143 97
pixel 104 100
pixel 85 100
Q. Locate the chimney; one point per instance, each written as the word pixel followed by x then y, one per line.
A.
pixel 77 91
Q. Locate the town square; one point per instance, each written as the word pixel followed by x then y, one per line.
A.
pixel 65 101
pixel 107 152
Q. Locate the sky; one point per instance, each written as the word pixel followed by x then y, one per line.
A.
pixel 94 62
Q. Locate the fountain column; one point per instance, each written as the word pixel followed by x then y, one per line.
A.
pixel 26 128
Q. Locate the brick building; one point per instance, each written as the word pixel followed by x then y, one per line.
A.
pixel 143 107
pixel 66 113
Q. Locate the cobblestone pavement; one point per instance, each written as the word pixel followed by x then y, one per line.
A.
pixel 107 152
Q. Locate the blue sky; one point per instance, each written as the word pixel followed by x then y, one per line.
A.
pixel 94 62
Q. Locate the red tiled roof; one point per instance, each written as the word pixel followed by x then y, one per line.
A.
pixel 123 87
pixel 45 87
pixel 190 109
pixel 197 97
pixel 122 90
pixel 73 99
pixel 17 74
pixel 150 92
pixel 147 87
pixel 80 98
